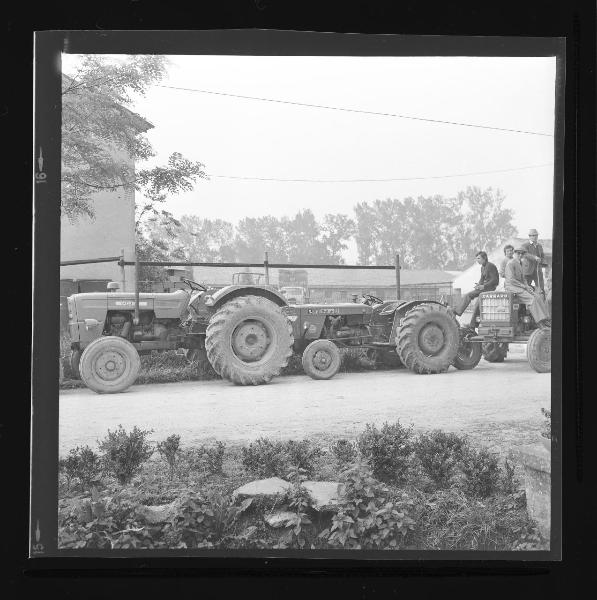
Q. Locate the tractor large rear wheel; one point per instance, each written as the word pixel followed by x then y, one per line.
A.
pixel 110 364
pixel 539 350
pixel 427 341
pixel 249 340
pixel 495 352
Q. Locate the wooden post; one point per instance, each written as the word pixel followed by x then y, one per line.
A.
pixel 266 266
pixel 398 276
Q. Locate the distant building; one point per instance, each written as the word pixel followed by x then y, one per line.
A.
pixel 327 285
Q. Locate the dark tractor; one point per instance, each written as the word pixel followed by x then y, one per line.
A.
pixel 424 336
pixel 248 332
pixel 240 329
pixel 505 320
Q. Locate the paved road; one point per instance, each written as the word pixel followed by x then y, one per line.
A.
pixel 498 404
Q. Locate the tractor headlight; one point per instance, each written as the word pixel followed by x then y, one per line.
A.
pixel 526 319
pixel 209 300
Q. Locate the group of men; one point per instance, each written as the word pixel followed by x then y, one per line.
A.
pixel 521 270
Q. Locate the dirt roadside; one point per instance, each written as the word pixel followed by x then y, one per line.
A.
pixel 498 405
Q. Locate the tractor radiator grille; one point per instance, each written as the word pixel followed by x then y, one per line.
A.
pixel 495 308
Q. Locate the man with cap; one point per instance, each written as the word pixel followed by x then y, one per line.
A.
pixel 533 260
pixel 516 283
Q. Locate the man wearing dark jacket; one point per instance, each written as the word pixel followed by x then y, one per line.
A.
pixel 533 261
pixel 488 282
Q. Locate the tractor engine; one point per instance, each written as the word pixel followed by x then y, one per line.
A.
pixel 149 328
pixel 347 328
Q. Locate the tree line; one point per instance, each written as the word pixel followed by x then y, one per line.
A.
pixel 429 233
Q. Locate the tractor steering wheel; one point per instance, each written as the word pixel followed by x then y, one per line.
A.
pixel 370 299
pixel 194 285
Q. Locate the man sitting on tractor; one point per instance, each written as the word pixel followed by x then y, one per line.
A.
pixel 517 284
pixel 488 282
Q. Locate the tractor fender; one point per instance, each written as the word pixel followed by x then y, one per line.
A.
pixel 234 291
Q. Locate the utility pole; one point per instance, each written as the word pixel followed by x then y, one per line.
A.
pixel 398 276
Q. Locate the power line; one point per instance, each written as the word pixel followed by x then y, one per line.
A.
pixel 356 110
pixel 239 177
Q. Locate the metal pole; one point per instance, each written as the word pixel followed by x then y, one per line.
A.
pixel 397 276
pixel 266 266
pixel 136 317
pixel 122 270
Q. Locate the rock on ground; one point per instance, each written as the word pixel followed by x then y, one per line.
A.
pixel 324 494
pixel 279 518
pixel 262 487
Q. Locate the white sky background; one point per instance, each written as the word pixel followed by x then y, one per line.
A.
pixel 250 138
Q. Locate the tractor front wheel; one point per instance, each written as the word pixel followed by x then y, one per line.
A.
pixel 110 364
pixel 249 340
pixel 539 350
pixel 321 359
pixel 469 353
pixel 495 352
pixel 427 341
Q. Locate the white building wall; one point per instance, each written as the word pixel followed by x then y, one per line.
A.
pixel 112 229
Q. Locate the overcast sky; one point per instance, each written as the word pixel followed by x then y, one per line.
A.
pixel 250 138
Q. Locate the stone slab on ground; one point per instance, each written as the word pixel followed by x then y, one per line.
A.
pixel 158 513
pixel 324 494
pixel 272 486
pixel 279 518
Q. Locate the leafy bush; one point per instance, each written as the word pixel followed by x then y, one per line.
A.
pixel 439 454
pixel 481 470
pixel 367 518
pixel 81 463
pixel 212 458
pixel 302 455
pixel 124 453
pixel 387 450
pixel 298 501
pixel 169 449
pixel 264 458
pixel 345 451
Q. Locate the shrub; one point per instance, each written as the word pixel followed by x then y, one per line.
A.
pixel 481 470
pixel 439 453
pixel 344 451
pixel 124 453
pixel 298 501
pixel 367 518
pixel 387 450
pixel 213 457
pixel 82 463
pixel 265 458
pixel 169 449
pixel 302 455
